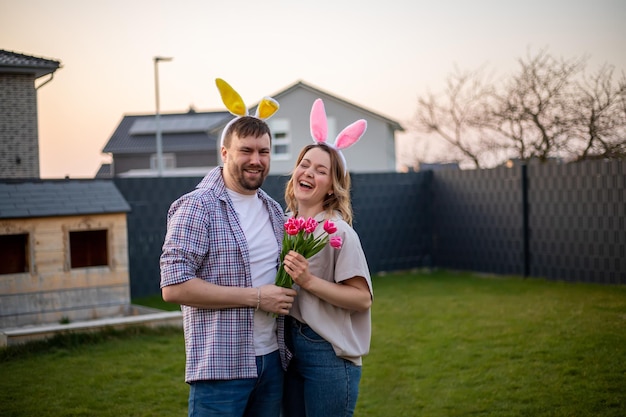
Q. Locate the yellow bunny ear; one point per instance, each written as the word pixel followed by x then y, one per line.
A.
pixel 233 101
pixel 267 107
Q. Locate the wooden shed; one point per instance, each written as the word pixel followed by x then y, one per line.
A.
pixel 63 252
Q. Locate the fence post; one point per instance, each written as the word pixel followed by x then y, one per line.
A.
pixel 525 227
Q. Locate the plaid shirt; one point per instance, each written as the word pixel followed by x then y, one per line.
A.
pixel 204 239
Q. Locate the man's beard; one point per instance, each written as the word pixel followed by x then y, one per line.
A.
pixel 248 184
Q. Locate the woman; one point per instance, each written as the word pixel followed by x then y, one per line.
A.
pixel 329 327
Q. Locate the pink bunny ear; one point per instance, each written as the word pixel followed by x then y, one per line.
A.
pixel 319 123
pixel 351 134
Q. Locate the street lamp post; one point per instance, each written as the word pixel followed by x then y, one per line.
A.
pixel 157 120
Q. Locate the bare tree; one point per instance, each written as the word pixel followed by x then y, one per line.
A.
pixel 531 112
pixel 457 115
pixel 546 109
pixel 598 124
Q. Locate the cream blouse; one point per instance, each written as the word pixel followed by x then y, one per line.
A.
pixel 349 332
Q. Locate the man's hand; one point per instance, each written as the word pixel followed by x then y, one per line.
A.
pixel 275 299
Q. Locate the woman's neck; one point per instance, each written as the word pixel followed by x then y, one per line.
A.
pixel 309 211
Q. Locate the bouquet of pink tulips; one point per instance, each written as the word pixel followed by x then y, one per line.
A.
pixel 299 237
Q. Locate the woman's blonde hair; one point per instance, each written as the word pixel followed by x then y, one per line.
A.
pixel 340 199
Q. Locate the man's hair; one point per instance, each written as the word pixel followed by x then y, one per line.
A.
pixel 246 126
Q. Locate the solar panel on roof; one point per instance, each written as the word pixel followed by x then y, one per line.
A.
pixel 181 124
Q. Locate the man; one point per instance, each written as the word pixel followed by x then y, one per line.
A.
pixel 219 263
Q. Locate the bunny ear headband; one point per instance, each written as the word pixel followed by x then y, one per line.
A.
pixel 235 105
pixel 348 136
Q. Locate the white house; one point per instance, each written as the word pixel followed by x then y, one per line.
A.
pixel 190 139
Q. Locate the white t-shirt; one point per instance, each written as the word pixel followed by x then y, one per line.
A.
pixel 257 226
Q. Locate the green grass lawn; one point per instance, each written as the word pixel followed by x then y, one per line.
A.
pixel 444 344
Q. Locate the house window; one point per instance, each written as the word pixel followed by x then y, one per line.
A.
pixel 169 161
pixel 14 252
pixel 281 139
pixel 88 248
pixel 332 129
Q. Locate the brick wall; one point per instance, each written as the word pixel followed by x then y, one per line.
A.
pixel 19 137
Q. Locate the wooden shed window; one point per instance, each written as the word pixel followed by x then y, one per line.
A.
pixel 88 248
pixel 14 254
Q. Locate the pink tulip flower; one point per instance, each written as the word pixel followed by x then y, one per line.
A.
pixel 330 227
pixel 310 225
pixel 336 242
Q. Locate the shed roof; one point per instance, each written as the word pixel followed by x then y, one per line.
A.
pixel 16 63
pixel 46 198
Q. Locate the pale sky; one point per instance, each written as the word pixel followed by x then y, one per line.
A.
pixel 379 55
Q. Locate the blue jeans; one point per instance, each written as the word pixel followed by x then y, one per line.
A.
pixel 318 383
pixel 251 397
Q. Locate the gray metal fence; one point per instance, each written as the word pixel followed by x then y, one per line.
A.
pixel 561 222
pixel 577 220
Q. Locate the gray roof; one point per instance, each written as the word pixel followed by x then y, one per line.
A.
pixel 16 63
pixel 45 198
pixel 180 132
pixel 104 171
